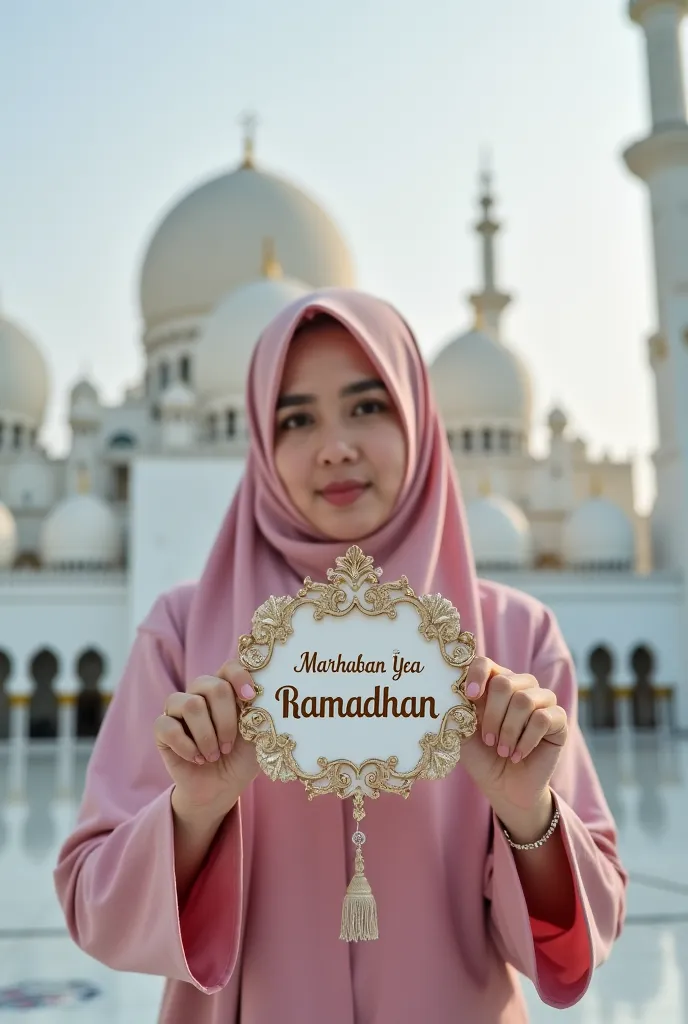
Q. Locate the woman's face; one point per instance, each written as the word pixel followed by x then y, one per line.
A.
pixel 340 448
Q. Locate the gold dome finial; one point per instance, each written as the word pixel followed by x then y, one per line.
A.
pixel 272 268
pixel 249 123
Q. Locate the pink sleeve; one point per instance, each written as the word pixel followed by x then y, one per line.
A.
pixel 115 876
pixel 560 964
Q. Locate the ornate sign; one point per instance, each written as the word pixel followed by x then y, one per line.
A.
pixel 359 691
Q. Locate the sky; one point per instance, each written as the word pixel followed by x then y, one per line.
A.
pixel 380 109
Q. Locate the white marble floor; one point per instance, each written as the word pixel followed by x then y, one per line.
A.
pixel 645 982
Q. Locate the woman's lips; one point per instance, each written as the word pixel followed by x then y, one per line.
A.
pixel 345 492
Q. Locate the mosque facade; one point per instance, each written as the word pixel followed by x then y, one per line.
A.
pixel 88 540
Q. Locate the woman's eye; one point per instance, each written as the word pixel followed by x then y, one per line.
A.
pixel 371 405
pixel 297 419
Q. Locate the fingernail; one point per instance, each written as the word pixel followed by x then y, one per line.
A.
pixel 215 756
pixel 503 750
pixel 473 690
pixel 490 739
pixel 226 748
pixel 517 757
pixel 247 691
pixel 199 759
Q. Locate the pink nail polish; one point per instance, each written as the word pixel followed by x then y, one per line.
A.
pixel 490 739
pixel 247 692
pixel 199 759
pixel 473 690
pixel 516 757
pixel 215 756
pixel 503 750
pixel 226 748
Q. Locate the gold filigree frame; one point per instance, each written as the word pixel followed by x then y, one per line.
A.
pixel 354 583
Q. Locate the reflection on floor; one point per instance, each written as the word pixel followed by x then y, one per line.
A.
pixel 44 978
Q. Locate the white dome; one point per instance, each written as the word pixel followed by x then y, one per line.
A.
pixel 84 405
pixel 212 241
pixel 81 530
pixel 477 380
pixel 9 542
pixel 84 390
pixel 23 376
pixel 500 533
pixel 557 421
pixel 225 347
pixel 598 534
pixel 177 398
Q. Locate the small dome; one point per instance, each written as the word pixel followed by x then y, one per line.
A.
pixel 83 390
pixel 500 533
pixel 9 542
pixel 599 535
pixel 177 398
pixel 84 404
pixel 224 350
pixel 23 376
pixel 557 421
pixel 476 379
pixel 211 242
pixel 81 531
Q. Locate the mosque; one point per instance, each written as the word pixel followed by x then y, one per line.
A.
pixel 87 541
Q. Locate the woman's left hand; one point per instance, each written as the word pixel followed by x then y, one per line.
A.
pixel 520 735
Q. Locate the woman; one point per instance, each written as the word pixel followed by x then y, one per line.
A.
pixel 188 864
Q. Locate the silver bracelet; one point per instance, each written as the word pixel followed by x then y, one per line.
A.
pixel 540 842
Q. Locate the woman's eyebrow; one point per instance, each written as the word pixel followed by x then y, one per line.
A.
pixel 285 400
pixel 363 385
pixel 359 386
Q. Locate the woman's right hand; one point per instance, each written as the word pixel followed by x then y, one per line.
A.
pixel 198 738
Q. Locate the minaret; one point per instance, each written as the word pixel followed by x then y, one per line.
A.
pixel 661 161
pixel 490 303
pixel 85 418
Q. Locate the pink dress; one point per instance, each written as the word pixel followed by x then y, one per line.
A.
pixel 257 940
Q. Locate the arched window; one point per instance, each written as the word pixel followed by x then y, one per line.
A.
pixel 549 560
pixel 122 440
pixel 27 560
pixel 5 673
pixel 468 440
pixel 212 426
pixel 18 435
pixel 44 670
pixel 644 699
pixel 487 440
pixel 90 667
pixel 602 713
pixel 163 375
pixel 505 440
pixel 185 369
pixel 2 432
pixel 231 423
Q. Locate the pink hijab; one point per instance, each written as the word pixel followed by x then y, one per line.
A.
pixel 265 547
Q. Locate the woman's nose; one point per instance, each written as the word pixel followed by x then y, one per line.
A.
pixel 336 453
